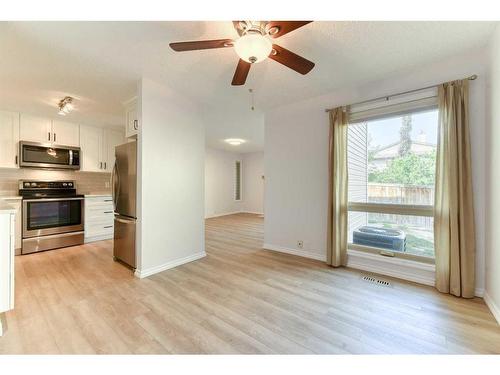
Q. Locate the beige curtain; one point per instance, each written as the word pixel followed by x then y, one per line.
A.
pixel 454 214
pixel 337 189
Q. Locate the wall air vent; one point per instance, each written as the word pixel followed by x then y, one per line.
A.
pixel 374 280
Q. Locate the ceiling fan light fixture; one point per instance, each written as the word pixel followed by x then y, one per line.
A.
pixel 253 47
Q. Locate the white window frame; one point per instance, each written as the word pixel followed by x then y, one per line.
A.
pixel 241 181
pixel 391 209
pixel 395 106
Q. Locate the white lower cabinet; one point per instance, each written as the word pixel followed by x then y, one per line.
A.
pixel 99 218
pixel 6 262
pixel 18 226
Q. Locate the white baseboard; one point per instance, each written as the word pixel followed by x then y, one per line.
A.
pixel 479 292
pixel 99 238
pixel 223 214
pixel 174 263
pixel 494 308
pixel 302 253
pixel 233 213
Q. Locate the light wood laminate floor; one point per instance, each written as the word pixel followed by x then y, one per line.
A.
pixel 239 299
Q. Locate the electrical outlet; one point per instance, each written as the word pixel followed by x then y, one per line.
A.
pixel 300 244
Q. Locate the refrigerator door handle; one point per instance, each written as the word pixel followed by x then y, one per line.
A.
pixel 113 190
pixel 125 221
pixel 115 185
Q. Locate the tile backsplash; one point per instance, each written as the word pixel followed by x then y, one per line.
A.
pixel 86 182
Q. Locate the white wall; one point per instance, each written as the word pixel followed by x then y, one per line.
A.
pixel 492 290
pixel 171 179
pixel 296 155
pixel 253 183
pixel 219 182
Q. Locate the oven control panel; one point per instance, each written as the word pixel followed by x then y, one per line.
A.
pixel 36 184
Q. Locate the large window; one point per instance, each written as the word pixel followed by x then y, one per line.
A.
pixel 391 169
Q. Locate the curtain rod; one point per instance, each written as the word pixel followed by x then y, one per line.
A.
pixel 471 78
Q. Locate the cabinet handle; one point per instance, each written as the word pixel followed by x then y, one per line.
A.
pixel 109 226
pixel 100 167
pixel 136 124
pixel 16 159
pixel 108 212
pixel 49 135
pixel 105 165
pixel 55 137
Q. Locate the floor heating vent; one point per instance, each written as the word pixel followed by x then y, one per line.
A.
pixel 373 280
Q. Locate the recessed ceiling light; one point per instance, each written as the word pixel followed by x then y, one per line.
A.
pixel 234 141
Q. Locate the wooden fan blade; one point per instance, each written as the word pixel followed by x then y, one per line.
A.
pixel 201 44
pixel 241 73
pixel 284 27
pixel 291 60
pixel 237 27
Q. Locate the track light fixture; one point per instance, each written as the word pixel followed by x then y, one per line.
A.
pixel 65 105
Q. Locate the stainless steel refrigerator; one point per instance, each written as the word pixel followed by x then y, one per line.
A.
pixel 124 187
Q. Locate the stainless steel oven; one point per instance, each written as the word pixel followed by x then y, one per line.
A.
pixel 52 215
pixel 48 155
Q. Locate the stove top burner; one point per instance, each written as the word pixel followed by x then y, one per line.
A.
pixel 36 189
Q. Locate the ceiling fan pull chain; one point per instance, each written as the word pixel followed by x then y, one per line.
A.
pixel 252 99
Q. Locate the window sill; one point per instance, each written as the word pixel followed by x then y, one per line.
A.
pixel 411 270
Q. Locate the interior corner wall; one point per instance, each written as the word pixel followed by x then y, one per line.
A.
pixel 296 155
pixel 492 289
pixel 219 183
pixel 171 164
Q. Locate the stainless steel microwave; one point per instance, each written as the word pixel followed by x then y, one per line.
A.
pixel 50 156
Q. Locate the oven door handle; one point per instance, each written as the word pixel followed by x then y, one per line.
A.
pixel 53 199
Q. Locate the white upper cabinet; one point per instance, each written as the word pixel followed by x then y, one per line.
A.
pixel 91 143
pixel 65 133
pixel 113 139
pixel 98 148
pixel 9 138
pixel 132 119
pixel 97 144
pixel 42 129
pixel 35 128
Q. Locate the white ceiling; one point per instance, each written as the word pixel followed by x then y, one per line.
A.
pixel 99 63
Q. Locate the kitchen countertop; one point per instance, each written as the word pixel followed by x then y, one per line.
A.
pixel 6 208
pixel 11 197
pixel 98 195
